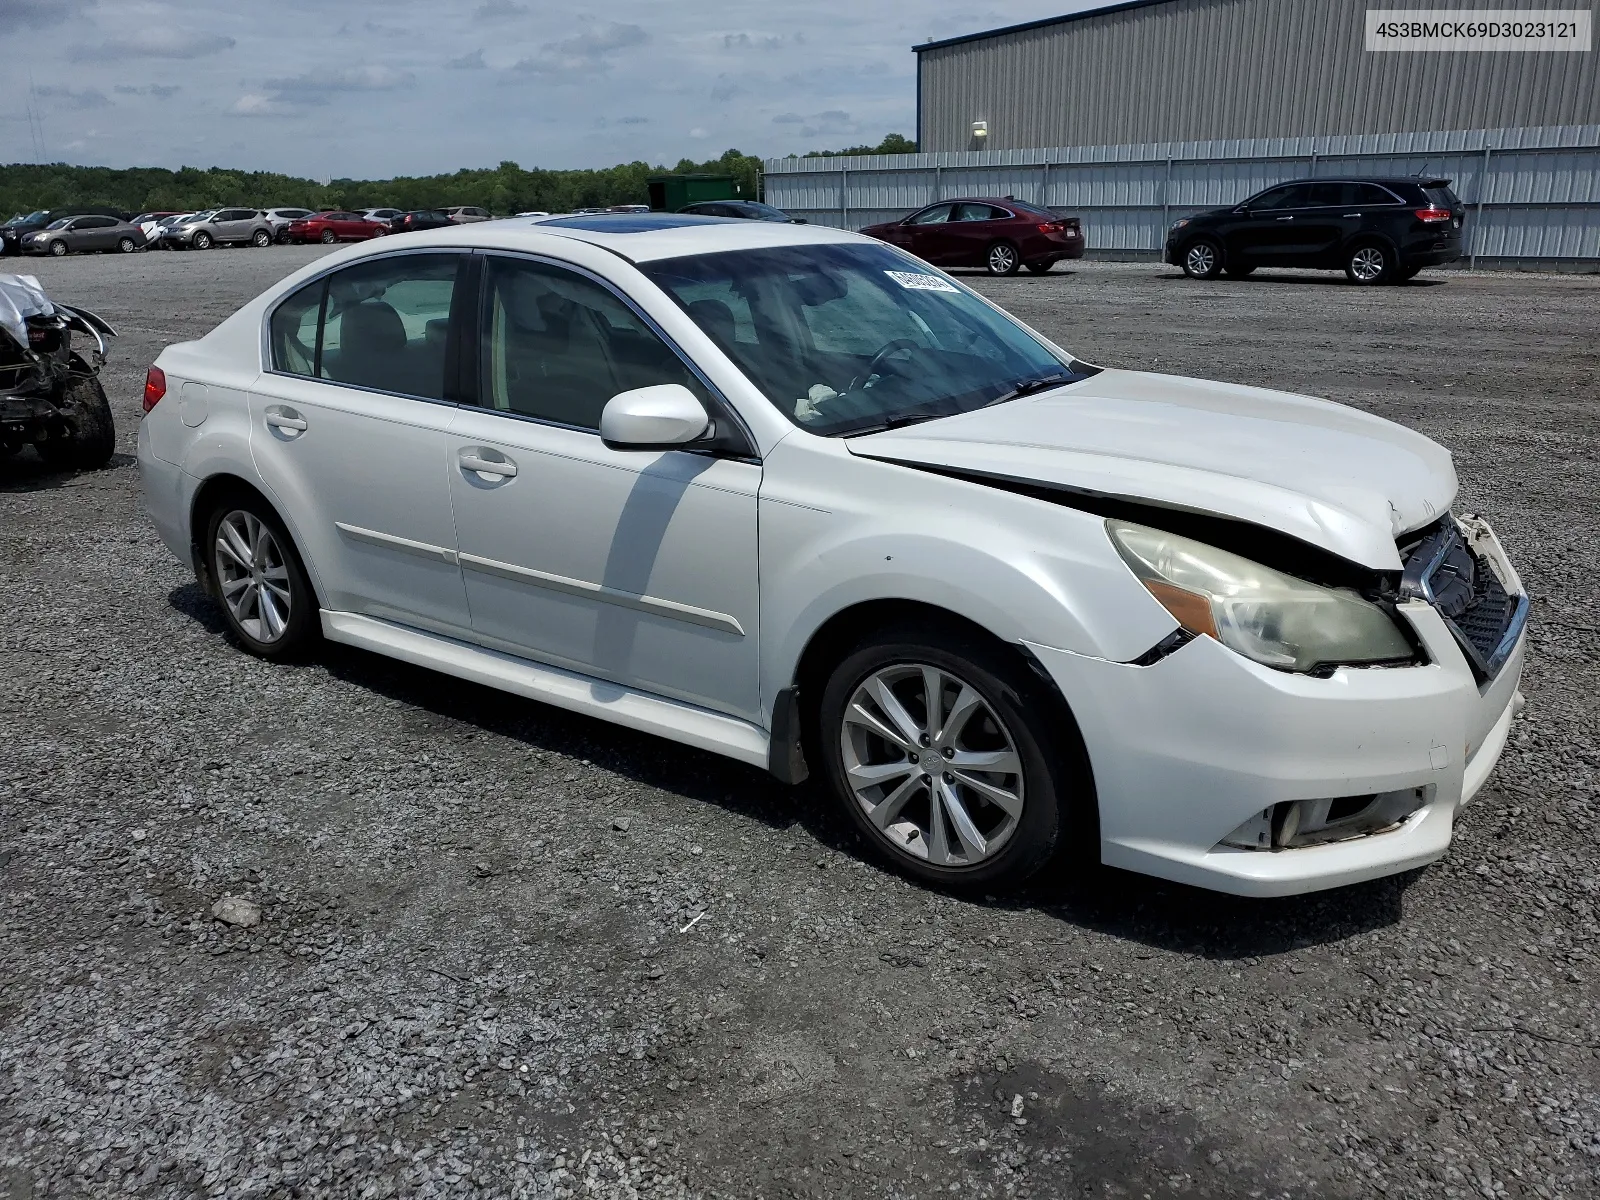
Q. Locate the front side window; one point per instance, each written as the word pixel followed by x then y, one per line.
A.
pixel 937 215
pixel 1293 196
pixel 557 346
pixel 846 338
pixel 382 324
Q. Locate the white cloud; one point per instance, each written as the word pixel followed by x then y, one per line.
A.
pixel 38 14
pixel 77 98
pixel 586 53
pixel 498 10
pixel 155 43
pixel 322 81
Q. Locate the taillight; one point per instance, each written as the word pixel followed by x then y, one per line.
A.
pixel 1433 216
pixel 155 387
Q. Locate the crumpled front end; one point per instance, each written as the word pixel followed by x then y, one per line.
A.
pixel 1214 770
pixel 44 348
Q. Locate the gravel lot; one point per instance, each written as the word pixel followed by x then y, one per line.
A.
pixel 478 967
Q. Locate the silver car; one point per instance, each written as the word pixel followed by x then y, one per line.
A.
pixel 222 227
pixel 281 218
pixel 71 234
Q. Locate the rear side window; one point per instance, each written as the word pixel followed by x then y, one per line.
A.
pixel 1442 197
pixel 1370 194
pixel 382 324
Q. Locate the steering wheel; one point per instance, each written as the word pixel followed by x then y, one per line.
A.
pixel 878 359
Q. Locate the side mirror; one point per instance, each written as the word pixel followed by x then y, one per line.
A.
pixel 663 417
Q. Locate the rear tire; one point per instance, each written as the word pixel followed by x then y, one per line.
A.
pixel 909 796
pixel 1002 258
pixel 261 239
pixel 127 245
pixel 1370 264
pixel 260 581
pixel 329 237
pixel 1202 259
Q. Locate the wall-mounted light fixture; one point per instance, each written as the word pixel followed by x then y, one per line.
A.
pixel 980 130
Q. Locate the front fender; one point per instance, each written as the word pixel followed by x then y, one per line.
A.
pixel 837 530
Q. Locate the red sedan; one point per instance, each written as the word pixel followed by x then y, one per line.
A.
pixel 335 227
pixel 1000 235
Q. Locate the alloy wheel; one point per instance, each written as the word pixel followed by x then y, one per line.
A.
pixel 1002 259
pixel 58 249
pixel 932 765
pixel 253 576
pixel 1368 264
pixel 1201 259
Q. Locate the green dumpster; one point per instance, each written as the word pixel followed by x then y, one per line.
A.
pixel 669 193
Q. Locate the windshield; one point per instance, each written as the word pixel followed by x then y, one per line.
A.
pixel 849 338
pixel 61 224
pixel 200 216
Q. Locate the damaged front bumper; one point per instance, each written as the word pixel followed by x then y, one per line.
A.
pixel 1216 771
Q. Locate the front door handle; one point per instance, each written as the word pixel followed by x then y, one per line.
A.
pixel 490 470
pixel 1285 218
pixel 285 420
pixel 1347 216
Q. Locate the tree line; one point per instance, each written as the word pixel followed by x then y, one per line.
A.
pixel 507 188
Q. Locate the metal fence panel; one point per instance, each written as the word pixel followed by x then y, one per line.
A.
pixel 1532 193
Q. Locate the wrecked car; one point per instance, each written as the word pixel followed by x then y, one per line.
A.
pixel 50 393
pixel 793 496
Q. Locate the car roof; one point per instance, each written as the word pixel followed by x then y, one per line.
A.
pixel 636 237
pixel 1387 180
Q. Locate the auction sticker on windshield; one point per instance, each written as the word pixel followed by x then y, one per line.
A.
pixel 918 282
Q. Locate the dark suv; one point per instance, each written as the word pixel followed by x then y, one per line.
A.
pixel 1375 230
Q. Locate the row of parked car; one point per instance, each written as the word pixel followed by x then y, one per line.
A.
pixel 67 231
pixel 1377 230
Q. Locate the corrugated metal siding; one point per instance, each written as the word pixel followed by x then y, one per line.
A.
pixel 1539 188
pixel 1200 69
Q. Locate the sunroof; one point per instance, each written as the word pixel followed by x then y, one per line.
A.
pixel 634 222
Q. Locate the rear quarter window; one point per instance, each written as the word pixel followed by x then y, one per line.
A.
pixel 1442 197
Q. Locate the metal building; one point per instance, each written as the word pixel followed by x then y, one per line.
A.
pixel 1152 71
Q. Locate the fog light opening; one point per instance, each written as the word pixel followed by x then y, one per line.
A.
pixel 1293 824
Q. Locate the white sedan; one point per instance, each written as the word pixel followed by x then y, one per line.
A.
pixel 790 495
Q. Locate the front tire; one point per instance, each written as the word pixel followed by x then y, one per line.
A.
pixel 1002 259
pixel 202 241
pixel 1202 259
pixel 265 595
pixel 942 752
pixel 1370 264
pixel 90 435
pixel 58 249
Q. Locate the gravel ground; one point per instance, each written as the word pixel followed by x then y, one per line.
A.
pixel 503 950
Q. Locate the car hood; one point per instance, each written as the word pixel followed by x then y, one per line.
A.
pixel 1328 475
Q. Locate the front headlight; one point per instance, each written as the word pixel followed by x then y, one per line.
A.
pixel 1180 223
pixel 1265 615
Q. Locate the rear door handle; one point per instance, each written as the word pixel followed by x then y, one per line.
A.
pixel 286 420
pixel 1349 215
pixel 1285 218
pixel 488 469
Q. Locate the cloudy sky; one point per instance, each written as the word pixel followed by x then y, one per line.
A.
pixel 419 86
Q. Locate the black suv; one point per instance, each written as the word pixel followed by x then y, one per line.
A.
pixel 21 225
pixel 1376 230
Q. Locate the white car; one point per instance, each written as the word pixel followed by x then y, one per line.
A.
pixel 787 494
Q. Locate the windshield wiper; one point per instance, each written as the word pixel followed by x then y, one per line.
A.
pixel 896 422
pixel 1028 387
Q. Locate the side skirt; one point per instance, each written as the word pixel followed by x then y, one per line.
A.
pixel 612 702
